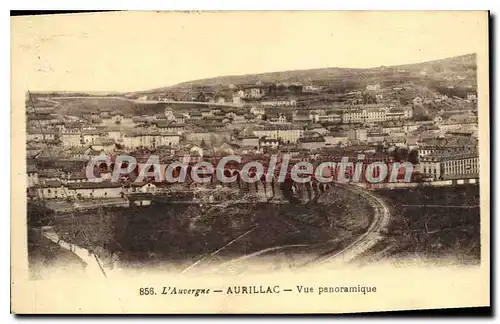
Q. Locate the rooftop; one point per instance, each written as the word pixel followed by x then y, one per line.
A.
pixel 312 139
pixel 51 184
pixel 93 185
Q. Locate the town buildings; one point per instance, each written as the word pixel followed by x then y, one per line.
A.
pixel 305 121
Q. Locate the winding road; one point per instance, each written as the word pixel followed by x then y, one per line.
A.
pixel 381 217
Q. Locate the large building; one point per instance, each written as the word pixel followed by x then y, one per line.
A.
pixel 281 132
pixel 375 114
pixel 357 135
pixel 51 189
pixel 71 138
pixel 448 166
pixel 460 165
pixel 440 146
pixel 279 102
pixel 332 118
pixel 95 190
pixel 207 136
pixel 335 139
pixel 42 135
pixel 311 141
pixel 430 167
pixel 149 139
pixel 364 115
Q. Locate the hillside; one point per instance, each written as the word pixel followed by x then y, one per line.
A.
pixel 454 77
pixel 463 67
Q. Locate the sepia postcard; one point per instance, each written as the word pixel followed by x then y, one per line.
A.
pixel 274 162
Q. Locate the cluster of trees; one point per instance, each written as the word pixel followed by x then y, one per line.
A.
pixel 404 154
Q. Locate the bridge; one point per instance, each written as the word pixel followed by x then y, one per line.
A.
pixel 272 191
pixel 267 188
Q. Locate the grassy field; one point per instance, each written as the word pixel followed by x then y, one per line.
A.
pixel 79 106
pixel 430 223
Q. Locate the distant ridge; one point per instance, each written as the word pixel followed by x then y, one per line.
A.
pixel 456 64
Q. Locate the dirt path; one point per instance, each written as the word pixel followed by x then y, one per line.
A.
pixel 94 264
pixel 381 216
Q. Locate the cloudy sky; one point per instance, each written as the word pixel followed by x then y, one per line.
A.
pixel 142 50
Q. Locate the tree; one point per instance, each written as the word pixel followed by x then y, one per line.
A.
pixel 413 157
pixel 400 154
